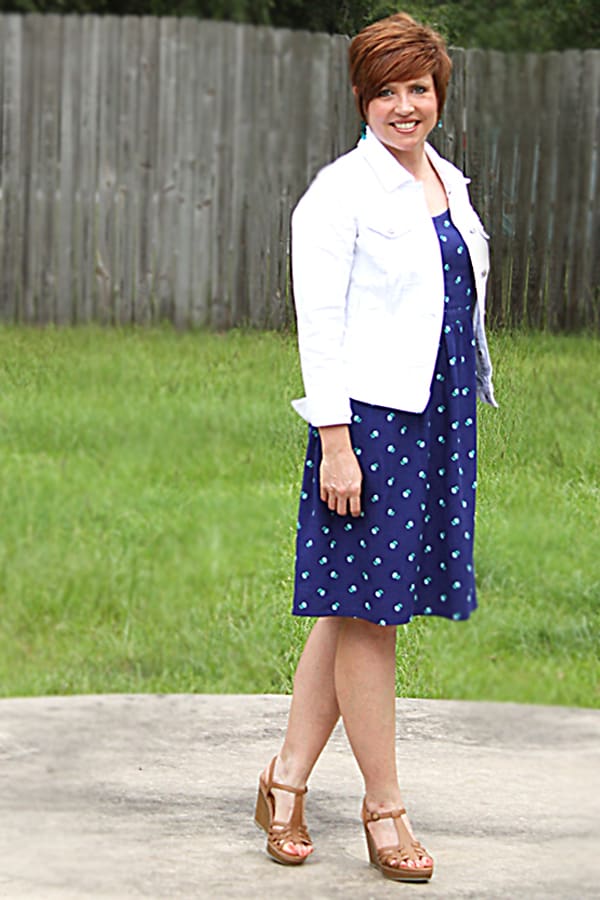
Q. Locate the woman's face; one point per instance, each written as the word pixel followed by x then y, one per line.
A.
pixel 403 113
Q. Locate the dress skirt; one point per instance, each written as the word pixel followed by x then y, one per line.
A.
pixel 410 552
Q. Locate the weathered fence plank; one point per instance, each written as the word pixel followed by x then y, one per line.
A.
pixel 586 264
pixel 450 135
pixel 165 199
pixel 66 273
pixel 148 168
pixel 12 236
pixel 569 110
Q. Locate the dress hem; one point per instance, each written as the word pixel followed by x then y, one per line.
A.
pixel 452 617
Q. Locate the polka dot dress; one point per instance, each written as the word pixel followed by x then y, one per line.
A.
pixel 410 552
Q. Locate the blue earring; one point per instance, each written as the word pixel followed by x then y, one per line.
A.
pixel 440 124
pixel 363 130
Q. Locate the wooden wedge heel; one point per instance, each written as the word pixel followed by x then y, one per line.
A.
pixel 394 862
pixel 281 833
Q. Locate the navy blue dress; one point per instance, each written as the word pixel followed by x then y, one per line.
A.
pixel 410 552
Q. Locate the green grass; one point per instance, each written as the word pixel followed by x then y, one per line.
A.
pixel 149 490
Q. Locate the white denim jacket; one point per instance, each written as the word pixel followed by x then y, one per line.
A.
pixel 368 284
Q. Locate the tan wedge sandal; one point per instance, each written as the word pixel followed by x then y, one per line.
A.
pixel 389 860
pixel 281 833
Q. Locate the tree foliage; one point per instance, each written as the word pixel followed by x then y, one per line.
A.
pixel 255 11
pixel 345 17
pixel 509 25
pixel 521 25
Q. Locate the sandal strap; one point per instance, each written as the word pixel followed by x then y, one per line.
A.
pixel 407 847
pixel 281 833
pixel 294 830
pixel 278 785
pixel 287 787
pixel 369 816
pixel 403 850
pixel 389 854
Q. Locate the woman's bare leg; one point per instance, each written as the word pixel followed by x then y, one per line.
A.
pixel 313 714
pixel 365 681
pixel 314 710
pixel 347 665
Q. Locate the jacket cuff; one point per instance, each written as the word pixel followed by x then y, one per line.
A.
pixel 324 411
pixel 485 393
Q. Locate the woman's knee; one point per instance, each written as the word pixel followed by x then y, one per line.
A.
pixel 382 634
pixel 329 625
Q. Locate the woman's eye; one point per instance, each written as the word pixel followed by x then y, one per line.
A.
pixel 385 92
pixel 419 89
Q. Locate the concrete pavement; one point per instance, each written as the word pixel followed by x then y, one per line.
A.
pixel 152 797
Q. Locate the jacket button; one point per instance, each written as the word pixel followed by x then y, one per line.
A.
pixel 484 273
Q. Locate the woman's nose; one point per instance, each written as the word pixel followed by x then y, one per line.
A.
pixel 404 104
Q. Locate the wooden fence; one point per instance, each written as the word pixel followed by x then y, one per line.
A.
pixel 148 168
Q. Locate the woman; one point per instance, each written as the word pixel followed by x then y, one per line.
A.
pixel 389 265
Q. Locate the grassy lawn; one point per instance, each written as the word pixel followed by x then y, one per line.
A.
pixel 148 495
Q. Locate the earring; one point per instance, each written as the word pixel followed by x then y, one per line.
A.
pixel 363 130
pixel 440 124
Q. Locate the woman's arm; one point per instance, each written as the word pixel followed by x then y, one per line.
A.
pixel 323 236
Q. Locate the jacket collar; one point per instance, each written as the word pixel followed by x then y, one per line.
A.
pixel 392 174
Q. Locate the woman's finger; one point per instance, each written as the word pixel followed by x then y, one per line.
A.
pixel 355 505
pixel 342 505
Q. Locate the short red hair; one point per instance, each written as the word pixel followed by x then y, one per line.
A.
pixel 397 49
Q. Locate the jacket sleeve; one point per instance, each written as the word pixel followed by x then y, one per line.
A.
pixel 485 387
pixel 323 237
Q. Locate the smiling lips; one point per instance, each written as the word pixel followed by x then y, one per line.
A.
pixel 404 126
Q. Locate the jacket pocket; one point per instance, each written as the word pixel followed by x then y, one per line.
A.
pixel 381 246
pixel 389 231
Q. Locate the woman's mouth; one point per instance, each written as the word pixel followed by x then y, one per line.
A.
pixel 405 127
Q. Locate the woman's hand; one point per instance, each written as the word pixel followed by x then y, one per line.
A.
pixel 340 473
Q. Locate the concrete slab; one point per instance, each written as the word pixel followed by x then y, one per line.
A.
pixel 152 796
